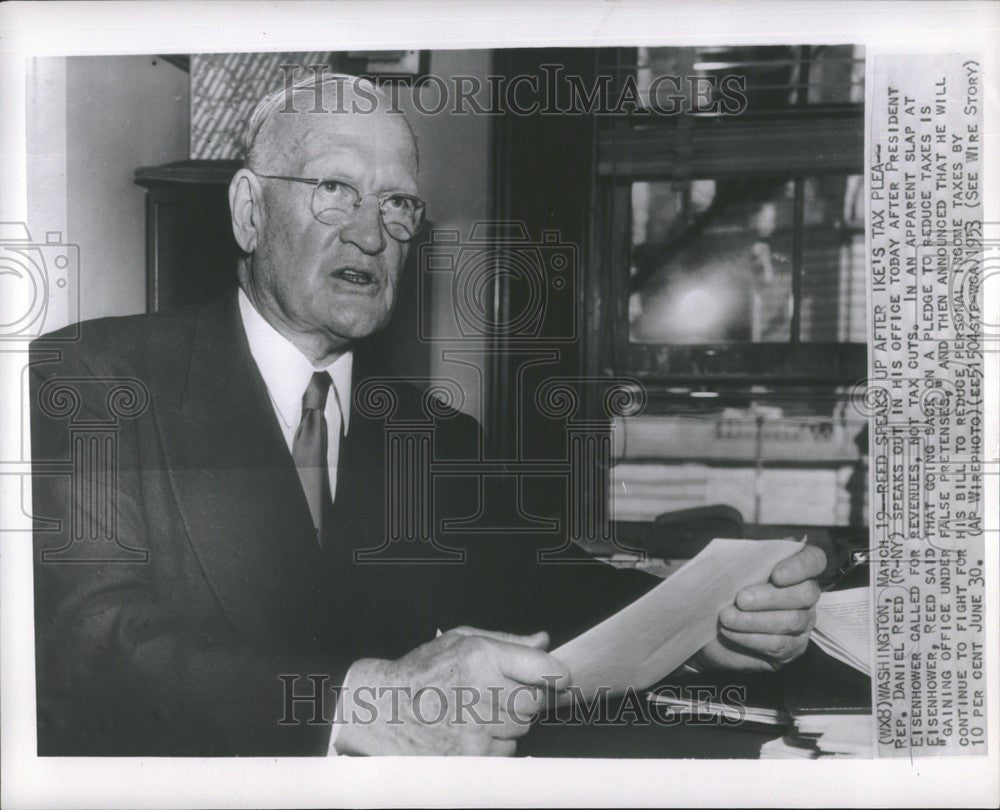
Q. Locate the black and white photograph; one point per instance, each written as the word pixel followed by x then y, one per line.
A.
pixel 595 404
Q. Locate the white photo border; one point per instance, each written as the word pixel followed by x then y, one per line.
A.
pixel 37 29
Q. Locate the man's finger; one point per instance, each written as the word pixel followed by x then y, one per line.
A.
pixel 807 563
pixel 774 622
pixel 774 647
pixel 501 748
pixel 523 701
pixel 767 597
pixel 531 666
pixel 512 724
pixel 539 640
pixel 510 730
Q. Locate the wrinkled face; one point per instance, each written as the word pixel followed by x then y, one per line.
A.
pixel 336 280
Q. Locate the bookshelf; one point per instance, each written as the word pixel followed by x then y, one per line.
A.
pixel 781 471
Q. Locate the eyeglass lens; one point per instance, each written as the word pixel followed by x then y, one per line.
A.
pixel 334 200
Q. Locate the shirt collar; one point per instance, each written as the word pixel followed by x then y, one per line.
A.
pixel 286 371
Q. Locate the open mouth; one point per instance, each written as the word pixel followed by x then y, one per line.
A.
pixel 353 275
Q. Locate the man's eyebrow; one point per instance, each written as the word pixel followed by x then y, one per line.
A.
pixel 334 163
pixel 321 172
pixel 331 170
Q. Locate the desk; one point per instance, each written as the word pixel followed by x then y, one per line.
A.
pixel 651 742
pixel 688 738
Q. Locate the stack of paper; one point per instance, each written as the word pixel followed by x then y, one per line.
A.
pixel 838 734
pixel 654 635
pixel 843 627
pixel 824 735
pixel 673 705
pixel 788 747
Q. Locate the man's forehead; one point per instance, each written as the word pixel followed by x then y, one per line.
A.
pixel 311 138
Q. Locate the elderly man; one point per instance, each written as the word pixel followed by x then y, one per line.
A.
pixel 251 477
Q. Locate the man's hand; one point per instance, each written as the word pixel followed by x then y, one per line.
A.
pixel 769 625
pixel 467 692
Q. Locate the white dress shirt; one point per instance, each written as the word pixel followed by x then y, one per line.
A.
pixel 286 372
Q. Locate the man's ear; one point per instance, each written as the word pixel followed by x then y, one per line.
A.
pixel 245 208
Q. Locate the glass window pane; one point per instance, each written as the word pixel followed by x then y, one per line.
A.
pixel 711 261
pixel 773 77
pixel 833 261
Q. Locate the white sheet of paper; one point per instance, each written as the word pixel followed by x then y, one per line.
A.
pixel 660 630
pixel 842 627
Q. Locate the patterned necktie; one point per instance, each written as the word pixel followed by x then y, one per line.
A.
pixel 309 449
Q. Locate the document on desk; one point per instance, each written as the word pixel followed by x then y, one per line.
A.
pixel 658 632
pixel 842 627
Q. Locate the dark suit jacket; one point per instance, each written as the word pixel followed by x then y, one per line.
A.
pixel 180 653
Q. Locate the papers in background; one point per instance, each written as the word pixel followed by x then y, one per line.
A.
pixel 824 735
pixel 788 748
pixel 704 708
pixel 843 734
pixel 657 566
pixel 843 627
pixel 653 636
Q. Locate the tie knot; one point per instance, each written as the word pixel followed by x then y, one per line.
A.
pixel 314 399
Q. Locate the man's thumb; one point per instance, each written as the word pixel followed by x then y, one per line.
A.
pixel 538 641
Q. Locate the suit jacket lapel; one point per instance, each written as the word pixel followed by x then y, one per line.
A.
pixel 394 606
pixel 359 508
pixel 236 485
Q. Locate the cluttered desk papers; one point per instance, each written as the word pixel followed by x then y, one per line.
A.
pixel 650 638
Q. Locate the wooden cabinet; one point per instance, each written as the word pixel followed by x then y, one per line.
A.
pixel 190 250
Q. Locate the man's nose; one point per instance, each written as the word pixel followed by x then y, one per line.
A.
pixel 363 228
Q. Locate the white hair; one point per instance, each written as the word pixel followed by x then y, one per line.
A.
pixel 316 84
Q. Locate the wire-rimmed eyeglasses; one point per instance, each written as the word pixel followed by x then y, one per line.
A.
pixel 334 200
